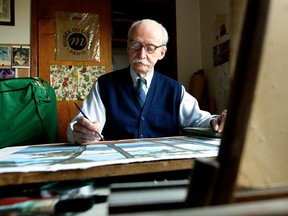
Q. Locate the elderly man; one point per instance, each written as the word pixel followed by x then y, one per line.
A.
pixel 137 101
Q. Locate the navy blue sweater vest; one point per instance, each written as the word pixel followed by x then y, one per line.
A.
pixel 124 117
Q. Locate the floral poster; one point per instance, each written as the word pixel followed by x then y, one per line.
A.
pixel 73 82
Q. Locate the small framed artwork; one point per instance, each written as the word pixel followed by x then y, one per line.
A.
pixel 20 56
pixel 5 56
pixel 221 53
pixel 6 73
pixel 7 15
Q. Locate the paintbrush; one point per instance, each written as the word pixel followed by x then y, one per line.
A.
pixel 101 137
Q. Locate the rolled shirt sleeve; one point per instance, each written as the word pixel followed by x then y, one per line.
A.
pixel 190 114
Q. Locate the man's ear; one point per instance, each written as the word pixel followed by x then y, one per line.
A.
pixel 163 52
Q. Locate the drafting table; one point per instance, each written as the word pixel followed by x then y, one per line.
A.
pixel 62 161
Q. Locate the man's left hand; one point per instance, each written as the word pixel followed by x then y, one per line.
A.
pixel 219 122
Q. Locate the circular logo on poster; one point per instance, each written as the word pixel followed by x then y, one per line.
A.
pixel 77 41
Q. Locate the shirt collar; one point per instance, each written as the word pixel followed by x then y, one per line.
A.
pixel 148 77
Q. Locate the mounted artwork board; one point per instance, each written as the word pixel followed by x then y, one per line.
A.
pixel 264 159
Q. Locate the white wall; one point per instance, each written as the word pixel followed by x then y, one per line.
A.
pixel 212 15
pixel 197 27
pixel 20 33
pixel 188 40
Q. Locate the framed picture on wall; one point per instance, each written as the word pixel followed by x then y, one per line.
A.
pixel 6 73
pixel 7 15
pixel 5 56
pixel 20 56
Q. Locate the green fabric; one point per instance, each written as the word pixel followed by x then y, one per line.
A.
pixel 28 112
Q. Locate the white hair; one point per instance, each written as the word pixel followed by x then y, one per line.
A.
pixel 164 35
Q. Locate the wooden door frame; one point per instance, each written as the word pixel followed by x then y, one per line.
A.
pixel 34 39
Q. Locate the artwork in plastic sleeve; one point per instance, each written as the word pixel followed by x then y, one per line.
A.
pixel 77 37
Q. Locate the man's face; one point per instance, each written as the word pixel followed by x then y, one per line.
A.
pixel 144 50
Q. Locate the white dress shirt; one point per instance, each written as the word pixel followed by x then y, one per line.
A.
pixel 190 114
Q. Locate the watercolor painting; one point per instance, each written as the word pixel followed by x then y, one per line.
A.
pixel 62 157
pixel 5 56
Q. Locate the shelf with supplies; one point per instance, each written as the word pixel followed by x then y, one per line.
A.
pixel 123 16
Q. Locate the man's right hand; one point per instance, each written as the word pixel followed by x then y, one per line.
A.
pixel 85 131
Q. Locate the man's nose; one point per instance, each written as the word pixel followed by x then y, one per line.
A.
pixel 142 51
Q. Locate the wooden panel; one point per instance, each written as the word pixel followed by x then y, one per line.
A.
pixel 115 170
pixel 264 159
pixel 43 57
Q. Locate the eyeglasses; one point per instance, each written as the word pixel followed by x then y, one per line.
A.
pixel 149 48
